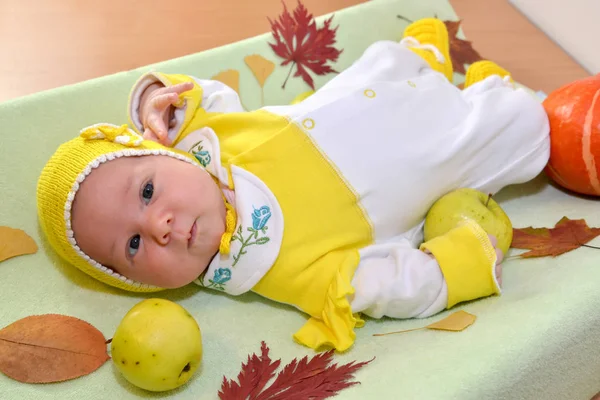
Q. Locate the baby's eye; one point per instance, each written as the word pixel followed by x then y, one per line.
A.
pixel 134 245
pixel 147 192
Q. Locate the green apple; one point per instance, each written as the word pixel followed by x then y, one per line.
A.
pixel 157 346
pixel 465 203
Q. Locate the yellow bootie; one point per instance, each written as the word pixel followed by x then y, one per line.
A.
pixel 428 38
pixel 480 70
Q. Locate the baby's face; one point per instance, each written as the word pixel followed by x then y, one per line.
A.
pixel 153 219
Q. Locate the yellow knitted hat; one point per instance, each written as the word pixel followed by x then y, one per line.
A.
pixel 59 181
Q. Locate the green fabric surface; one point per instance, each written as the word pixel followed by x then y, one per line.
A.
pixel 539 340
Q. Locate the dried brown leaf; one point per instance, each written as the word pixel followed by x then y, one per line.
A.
pixel 567 234
pixel 461 51
pixel 50 348
pixel 15 242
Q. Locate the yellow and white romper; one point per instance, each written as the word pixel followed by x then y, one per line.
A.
pixel 331 193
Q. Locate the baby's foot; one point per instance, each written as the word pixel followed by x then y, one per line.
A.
pixel 480 70
pixel 428 38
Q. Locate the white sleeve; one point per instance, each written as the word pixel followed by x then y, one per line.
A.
pixel 398 281
pixel 218 97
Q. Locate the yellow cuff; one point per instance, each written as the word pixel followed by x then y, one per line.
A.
pixel 187 105
pixel 467 260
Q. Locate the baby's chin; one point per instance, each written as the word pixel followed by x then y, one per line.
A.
pixel 181 279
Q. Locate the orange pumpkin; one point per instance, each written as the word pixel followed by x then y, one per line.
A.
pixel 574 115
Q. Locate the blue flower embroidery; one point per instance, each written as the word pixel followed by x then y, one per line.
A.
pixel 260 217
pixel 201 155
pixel 222 275
pixel 258 232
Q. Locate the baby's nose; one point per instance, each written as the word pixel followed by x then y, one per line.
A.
pixel 160 228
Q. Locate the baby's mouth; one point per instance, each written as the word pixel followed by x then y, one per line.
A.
pixel 192 234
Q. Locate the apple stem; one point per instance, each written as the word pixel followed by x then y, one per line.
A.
pixel 488 199
pixel 108 341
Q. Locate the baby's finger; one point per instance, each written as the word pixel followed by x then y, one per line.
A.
pixel 162 101
pixel 149 135
pixel 493 240
pixel 498 273
pixel 181 87
pixel 499 256
pixel 157 125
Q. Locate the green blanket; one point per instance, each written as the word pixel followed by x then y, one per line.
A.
pixel 540 340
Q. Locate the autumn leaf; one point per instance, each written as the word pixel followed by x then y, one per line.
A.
pixel 455 322
pixel 15 242
pixel 260 67
pixel 50 348
pixel 230 77
pixel 567 234
pixel 461 51
pixel 458 321
pixel 314 379
pixel 299 42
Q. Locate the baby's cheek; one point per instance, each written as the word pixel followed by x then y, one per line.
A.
pixel 171 269
pixel 163 262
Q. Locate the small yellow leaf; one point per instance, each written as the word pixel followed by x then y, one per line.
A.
pixel 456 322
pixel 15 242
pixel 260 67
pixel 230 77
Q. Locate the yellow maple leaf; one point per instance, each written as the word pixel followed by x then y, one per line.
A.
pixel 260 67
pixel 15 242
pixel 455 322
pixel 230 77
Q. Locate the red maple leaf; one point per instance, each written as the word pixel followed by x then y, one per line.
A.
pixel 567 234
pixel 300 42
pixel 461 51
pixel 299 380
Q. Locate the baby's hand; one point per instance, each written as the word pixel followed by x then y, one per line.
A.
pixel 499 258
pixel 156 110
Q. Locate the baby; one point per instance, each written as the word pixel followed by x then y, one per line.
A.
pixel 319 205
